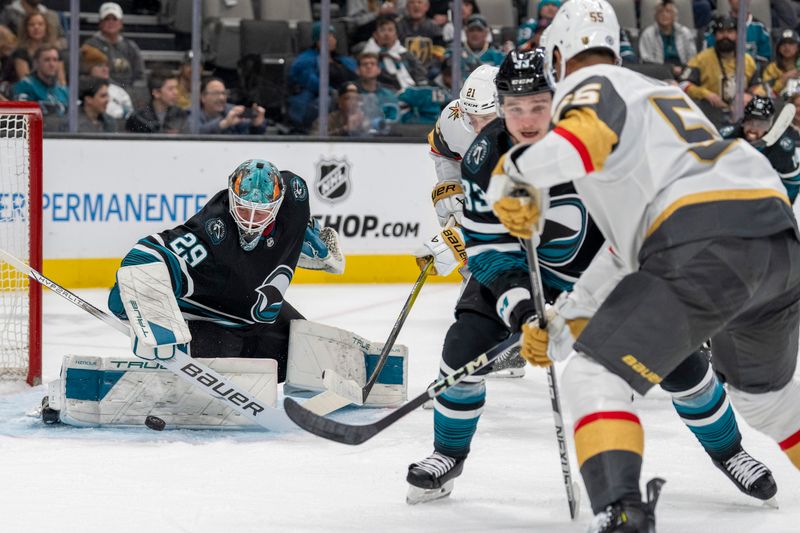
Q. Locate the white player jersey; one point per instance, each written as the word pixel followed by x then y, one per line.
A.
pixel 449 141
pixel 637 150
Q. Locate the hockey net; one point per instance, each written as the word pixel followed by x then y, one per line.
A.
pixel 21 236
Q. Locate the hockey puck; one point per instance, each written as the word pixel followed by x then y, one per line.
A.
pixel 155 423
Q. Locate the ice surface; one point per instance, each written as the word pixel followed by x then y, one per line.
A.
pixel 61 479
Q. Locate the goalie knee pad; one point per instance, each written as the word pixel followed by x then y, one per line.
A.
pixel 121 391
pixel 315 347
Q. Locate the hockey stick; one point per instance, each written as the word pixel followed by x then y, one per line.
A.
pixel 555 400
pixel 358 434
pixel 348 388
pixel 778 128
pixel 182 365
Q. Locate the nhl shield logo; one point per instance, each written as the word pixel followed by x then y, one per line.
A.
pixel 333 180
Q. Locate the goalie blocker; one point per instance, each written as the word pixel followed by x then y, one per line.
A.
pixel 124 391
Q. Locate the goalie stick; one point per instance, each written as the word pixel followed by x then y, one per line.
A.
pixel 358 434
pixel 182 365
pixel 350 391
pixel 570 486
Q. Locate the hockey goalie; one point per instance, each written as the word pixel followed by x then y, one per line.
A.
pixel 213 287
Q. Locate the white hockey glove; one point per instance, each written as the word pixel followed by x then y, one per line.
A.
pixel 519 207
pixel 448 200
pixel 447 250
pixel 157 325
pixel 321 250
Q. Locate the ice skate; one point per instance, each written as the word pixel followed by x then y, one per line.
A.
pixel 630 517
pixel 750 476
pixel 432 478
pixel 513 367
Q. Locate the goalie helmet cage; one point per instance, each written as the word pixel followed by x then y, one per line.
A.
pixel 20 235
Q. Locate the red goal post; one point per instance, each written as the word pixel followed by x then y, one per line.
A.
pixel 21 235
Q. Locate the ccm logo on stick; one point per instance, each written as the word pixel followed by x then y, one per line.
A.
pixel 217 387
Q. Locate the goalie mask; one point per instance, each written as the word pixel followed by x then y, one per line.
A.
pixel 255 193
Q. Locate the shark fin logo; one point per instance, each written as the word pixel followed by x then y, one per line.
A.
pixel 270 295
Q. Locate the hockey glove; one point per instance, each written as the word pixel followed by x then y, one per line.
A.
pixel 519 209
pixel 447 250
pixel 321 249
pixel 448 200
pixel 565 322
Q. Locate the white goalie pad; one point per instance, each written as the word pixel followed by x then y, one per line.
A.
pixel 315 347
pixel 120 391
pixel 146 294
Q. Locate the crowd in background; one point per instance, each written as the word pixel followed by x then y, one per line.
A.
pixel 394 70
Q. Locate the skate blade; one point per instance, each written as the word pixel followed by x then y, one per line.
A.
pixel 418 495
pixel 772 503
pixel 507 373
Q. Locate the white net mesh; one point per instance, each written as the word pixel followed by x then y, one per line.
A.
pixel 15 239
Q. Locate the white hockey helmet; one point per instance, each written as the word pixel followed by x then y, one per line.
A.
pixel 578 26
pixel 478 93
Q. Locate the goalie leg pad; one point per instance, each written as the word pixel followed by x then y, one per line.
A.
pixel 120 391
pixel 315 347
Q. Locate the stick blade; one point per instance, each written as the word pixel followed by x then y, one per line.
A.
pixel 327 428
pixel 346 388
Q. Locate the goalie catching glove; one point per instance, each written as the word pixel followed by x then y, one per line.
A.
pixel 448 201
pixel 447 250
pixel 157 325
pixel 321 250
pixel 566 319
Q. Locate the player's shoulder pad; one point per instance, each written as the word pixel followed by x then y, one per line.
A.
pixel 482 153
pixel 598 94
pixel 787 143
pixel 295 186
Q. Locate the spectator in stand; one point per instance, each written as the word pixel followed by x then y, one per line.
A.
pixel 666 41
pixel 304 78
pixel 42 85
pixel 701 10
pixel 8 74
pixel 468 8
pixel 35 31
pixel 419 34
pixel 530 31
pixel 161 115
pixel 94 63
pixel 185 82
pixel 399 68
pixel 349 118
pixel 92 117
pixel 217 116
pixel 783 14
pixel 478 50
pixel 14 13
pixel 422 105
pixel 710 75
pixel 757 39
pixel 795 129
pixel 362 14
pixel 626 51
pixel 784 67
pixel 124 56
pixel 372 92
pixel 437 11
